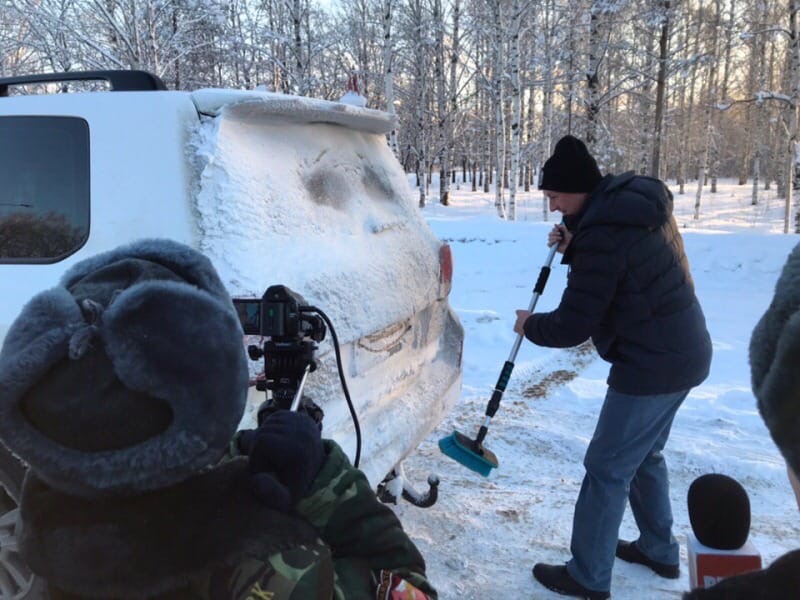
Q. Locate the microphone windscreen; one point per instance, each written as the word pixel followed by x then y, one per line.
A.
pixel 719 511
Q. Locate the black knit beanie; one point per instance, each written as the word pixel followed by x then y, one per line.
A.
pixel 571 169
pixel 719 511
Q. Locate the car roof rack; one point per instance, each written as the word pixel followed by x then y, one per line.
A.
pixel 120 81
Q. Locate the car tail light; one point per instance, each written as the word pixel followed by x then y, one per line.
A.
pixel 445 270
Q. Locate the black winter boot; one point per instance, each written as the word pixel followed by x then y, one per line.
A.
pixel 558 579
pixel 628 552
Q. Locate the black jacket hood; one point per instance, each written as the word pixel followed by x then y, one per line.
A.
pixel 628 199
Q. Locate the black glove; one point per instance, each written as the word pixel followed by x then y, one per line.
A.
pixel 307 405
pixel 285 455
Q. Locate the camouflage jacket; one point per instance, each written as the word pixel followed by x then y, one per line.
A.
pixel 370 549
pixel 208 538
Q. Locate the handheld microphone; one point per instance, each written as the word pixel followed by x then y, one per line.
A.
pixel 719 511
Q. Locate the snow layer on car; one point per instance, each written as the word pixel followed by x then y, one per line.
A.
pixel 319 207
pixel 292 108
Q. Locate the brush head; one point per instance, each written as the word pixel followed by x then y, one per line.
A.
pixel 467 452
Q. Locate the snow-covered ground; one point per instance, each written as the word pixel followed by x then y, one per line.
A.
pixel 483 536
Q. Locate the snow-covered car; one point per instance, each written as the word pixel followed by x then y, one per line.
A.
pixel 274 189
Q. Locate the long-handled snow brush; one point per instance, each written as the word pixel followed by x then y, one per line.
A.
pixel 469 452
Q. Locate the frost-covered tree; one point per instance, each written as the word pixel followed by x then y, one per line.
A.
pixel 442 108
pixel 516 20
pixel 682 90
pixel 388 75
pixel 16 52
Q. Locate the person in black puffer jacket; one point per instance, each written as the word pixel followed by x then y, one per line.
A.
pixel 629 289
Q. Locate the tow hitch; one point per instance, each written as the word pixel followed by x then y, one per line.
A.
pixel 395 485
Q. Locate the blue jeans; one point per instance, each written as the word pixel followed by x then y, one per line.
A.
pixel 624 460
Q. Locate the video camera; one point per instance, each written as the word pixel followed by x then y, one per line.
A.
pixel 292 329
pixel 284 318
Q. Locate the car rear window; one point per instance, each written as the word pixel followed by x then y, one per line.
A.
pixel 44 187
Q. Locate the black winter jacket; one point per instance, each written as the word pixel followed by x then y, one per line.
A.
pixel 630 290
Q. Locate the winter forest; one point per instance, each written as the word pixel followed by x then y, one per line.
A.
pixel 686 90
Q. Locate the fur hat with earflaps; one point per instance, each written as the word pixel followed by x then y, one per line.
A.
pixel 775 362
pixel 128 376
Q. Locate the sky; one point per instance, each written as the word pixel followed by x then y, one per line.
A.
pixel 483 536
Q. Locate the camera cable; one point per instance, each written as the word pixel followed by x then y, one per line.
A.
pixel 341 378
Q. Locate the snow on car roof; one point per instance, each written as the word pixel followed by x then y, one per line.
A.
pixel 297 108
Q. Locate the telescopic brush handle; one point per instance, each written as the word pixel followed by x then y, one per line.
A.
pixel 499 388
pixel 542 280
pixel 481 434
pixel 545 272
pixel 508 367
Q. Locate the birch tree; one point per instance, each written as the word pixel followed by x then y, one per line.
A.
pixel 593 72
pixel 419 97
pixel 547 92
pixel 758 57
pixel 710 103
pixel 645 102
pixel 723 93
pixel 661 84
pixel 49 30
pixel 388 75
pixel 298 70
pixel 442 109
pixel 516 110
pixel 16 53
pixel 794 91
pixel 497 103
pixel 454 77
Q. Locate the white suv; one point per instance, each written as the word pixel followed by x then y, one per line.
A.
pixel 274 189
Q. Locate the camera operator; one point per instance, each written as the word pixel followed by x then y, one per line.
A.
pixel 122 389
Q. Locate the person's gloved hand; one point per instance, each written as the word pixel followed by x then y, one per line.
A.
pixel 285 455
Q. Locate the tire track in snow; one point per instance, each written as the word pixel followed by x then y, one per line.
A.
pixel 544 379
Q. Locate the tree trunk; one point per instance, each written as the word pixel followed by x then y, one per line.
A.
pixel 661 89
pixel 791 154
pixel 388 78
pixel 497 100
pixel 453 101
pixel 754 74
pixel 549 90
pixel 723 96
pixel 710 106
pixel 645 102
pixel 298 80
pixel 757 115
pixel 593 75
pixel 516 112
pixel 441 104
